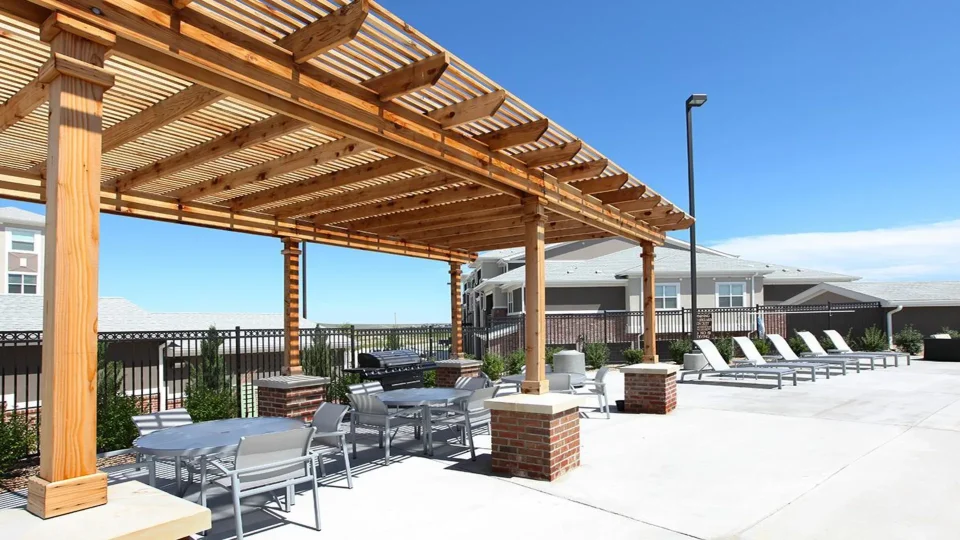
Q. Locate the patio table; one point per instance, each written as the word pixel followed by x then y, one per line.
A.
pixel 423 398
pixel 208 438
pixel 576 379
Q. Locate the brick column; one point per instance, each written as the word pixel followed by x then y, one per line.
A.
pixel 448 371
pixel 535 435
pixel 650 388
pixel 290 396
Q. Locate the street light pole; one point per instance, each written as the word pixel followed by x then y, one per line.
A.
pixel 695 100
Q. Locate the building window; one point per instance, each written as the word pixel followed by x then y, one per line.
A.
pixel 730 295
pixel 23 240
pixel 22 284
pixel 666 296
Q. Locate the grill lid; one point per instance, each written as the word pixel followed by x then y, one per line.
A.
pixel 386 359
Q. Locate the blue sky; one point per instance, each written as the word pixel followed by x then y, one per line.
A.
pixel 833 119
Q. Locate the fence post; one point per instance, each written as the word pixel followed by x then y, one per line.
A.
pixel 605 336
pixel 353 346
pixel 236 368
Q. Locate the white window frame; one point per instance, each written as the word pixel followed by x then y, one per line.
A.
pixel 12 231
pixel 510 305
pixel 678 296
pixel 22 285
pixel 743 296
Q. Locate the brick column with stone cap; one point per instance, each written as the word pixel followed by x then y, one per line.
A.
pixel 535 435
pixel 650 388
pixel 448 371
pixel 291 396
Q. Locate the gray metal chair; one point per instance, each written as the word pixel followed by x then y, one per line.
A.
pixel 560 383
pixel 479 413
pixel 471 383
pixel 598 387
pixel 265 463
pixel 366 387
pixel 329 438
pixel 369 411
pixel 464 417
pixel 148 423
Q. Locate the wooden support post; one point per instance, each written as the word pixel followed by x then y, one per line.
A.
pixel 649 306
pixel 534 219
pixel 291 306
pixel 68 479
pixel 456 315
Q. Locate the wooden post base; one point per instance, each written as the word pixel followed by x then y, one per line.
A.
pixel 535 387
pixel 650 359
pixel 51 499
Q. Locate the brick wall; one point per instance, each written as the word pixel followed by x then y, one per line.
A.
pixel 538 446
pixel 290 403
pixel 447 375
pixel 650 393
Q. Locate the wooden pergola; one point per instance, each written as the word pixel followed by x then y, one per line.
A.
pixel 307 120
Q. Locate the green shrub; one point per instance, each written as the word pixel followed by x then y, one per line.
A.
pixel 763 346
pixel 339 388
pixel 798 345
pixel 633 356
pixel 18 439
pixel 514 362
pixel 430 379
pixel 115 409
pixel 493 366
pixel 909 340
pixel 874 339
pixel 954 334
pixel 315 358
pixel 210 396
pixel 725 347
pixel 679 348
pixel 550 352
pixel 393 340
pixel 597 354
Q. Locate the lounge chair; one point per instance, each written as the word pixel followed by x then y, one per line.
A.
pixel 816 351
pixel 840 346
pixel 755 358
pixel 787 355
pixel 720 368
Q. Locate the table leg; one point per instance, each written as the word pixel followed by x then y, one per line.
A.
pixel 203 481
pixel 427 431
pixel 179 475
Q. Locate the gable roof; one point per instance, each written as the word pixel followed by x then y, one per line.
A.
pixel 18 216
pixel 24 313
pixel 889 293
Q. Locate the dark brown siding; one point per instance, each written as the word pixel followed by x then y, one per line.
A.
pixel 779 293
pixel 928 320
pixel 585 298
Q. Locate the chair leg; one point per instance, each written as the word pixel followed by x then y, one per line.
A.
pixel 237 516
pixel 380 437
pixel 323 467
pixel 316 496
pixel 386 447
pixel 353 435
pixel 288 497
pixel 606 403
pixel 346 462
pixel 469 430
pixel 203 481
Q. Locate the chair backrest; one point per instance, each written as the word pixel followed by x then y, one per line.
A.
pixel 941 336
pixel 749 350
pixel 148 423
pixel 782 347
pixel 470 383
pixel 367 407
pixel 328 417
pixel 839 343
pixel 476 399
pixel 366 387
pixel 560 382
pixel 601 374
pixel 258 450
pixel 711 354
pixel 811 341
pixel 547 369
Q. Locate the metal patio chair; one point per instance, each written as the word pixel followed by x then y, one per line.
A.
pixel 148 423
pixel 329 438
pixel 598 387
pixel 369 411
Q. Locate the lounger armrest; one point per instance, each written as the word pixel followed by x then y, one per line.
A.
pixel 772 357
pixel 328 434
pixel 807 355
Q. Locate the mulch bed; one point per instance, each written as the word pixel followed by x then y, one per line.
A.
pixel 17 479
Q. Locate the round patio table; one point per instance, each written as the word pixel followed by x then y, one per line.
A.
pixel 207 438
pixel 423 398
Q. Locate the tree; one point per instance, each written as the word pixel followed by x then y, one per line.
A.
pixel 210 394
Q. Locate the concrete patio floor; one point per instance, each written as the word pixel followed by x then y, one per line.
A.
pixel 870 455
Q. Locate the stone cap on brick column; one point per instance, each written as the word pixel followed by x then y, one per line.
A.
pixel 533 403
pixel 651 369
pixel 459 362
pixel 286 382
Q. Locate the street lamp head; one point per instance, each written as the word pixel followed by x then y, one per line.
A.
pixel 696 100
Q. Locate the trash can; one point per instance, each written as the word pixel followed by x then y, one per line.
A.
pixel 569 362
pixel 694 361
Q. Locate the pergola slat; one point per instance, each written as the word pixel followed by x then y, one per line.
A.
pixel 579 171
pixel 431 224
pixel 387 222
pixel 551 154
pixel 515 136
pixel 622 195
pixel 645 203
pixel 470 110
pixel 332 180
pixel 327 32
pixel 155 117
pixel 400 205
pixel 410 78
pixel 599 185
pixel 310 157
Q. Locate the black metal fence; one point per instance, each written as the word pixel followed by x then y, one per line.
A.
pixel 622 330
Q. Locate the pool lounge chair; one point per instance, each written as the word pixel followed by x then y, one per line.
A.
pixel 816 351
pixel 720 368
pixel 755 358
pixel 787 355
pixel 840 346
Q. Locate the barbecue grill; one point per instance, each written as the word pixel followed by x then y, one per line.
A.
pixel 394 369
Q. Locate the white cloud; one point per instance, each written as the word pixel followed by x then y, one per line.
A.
pixel 912 253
